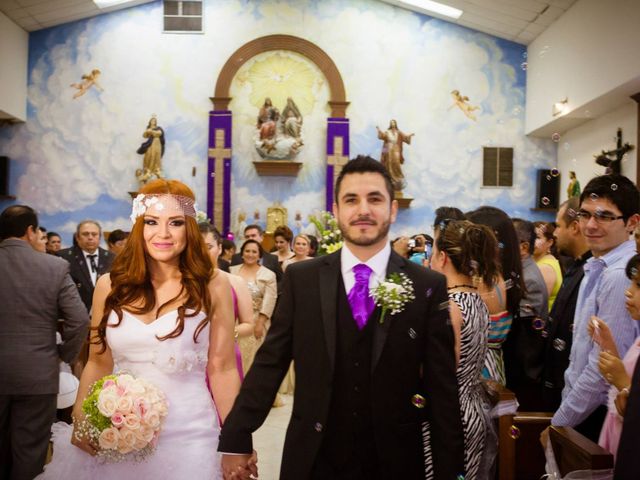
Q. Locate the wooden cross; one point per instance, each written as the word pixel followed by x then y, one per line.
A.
pixel 338 159
pixel 219 153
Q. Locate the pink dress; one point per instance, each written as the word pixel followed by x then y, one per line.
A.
pixel 612 427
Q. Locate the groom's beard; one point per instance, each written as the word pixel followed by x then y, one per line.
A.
pixel 362 240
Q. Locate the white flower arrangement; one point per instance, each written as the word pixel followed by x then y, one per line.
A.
pixel 330 236
pixel 393 294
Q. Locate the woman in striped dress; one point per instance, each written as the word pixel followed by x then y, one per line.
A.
pixel 467 255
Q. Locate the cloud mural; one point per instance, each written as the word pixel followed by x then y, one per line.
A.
pixel 77 157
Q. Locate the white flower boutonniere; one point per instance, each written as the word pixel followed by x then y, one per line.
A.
pixel 393 294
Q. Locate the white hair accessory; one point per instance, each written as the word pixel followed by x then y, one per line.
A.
pixel 179 203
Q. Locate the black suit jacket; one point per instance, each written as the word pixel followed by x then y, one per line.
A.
pixel 413 351
pixel 269 261
pixel 80 272
pixel 627 464
pixel 560 333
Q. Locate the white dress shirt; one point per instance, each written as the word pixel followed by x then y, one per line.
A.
pixel 92 274
pixel 377 263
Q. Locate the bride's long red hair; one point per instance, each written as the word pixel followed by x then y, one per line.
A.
pixel 131 286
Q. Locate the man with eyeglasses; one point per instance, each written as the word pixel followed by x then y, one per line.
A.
pixel 607 216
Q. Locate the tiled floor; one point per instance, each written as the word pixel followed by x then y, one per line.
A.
pixel 269 439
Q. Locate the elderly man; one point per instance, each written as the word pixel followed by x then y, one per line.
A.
pixel 35 291
pixel 87 261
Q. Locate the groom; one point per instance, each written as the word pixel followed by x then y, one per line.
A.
pixel 364 385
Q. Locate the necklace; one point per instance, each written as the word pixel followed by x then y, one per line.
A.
pixel 462 285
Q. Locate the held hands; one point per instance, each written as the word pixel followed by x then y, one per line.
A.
pixel 240 467
pixel 601 334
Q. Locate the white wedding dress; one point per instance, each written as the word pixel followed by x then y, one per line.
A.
pixel 188 442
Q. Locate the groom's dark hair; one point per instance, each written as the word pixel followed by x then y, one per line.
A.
pixel 364 164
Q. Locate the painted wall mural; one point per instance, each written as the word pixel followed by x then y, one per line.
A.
pixel 76 158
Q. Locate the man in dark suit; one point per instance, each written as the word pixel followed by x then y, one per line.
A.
pixel 254 232
pixel 364 383
pixel 570 242
pixel 35 291
pixel 87 261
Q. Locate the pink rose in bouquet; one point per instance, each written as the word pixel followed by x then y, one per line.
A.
pixel 124 416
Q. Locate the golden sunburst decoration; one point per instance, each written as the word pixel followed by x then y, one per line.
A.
pixel 280 75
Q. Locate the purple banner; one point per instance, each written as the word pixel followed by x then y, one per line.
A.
pixel 219 169
pixel 337 139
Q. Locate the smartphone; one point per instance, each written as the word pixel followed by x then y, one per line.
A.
pixel 427 251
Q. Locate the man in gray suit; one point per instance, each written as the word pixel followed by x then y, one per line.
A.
pixel 35 291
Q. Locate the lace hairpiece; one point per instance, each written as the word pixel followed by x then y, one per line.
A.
pixel 163 201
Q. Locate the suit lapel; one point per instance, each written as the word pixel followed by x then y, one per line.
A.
pixel 329 275
pixel 381 330
pixel 82 264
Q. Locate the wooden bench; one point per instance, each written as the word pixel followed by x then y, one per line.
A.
pixel 520 454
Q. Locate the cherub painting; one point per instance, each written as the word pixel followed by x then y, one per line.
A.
pixel 460 101
pixel 88 80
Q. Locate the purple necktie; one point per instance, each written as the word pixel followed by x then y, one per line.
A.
pixel 361 303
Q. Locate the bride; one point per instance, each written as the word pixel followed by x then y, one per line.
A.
pixel 161 315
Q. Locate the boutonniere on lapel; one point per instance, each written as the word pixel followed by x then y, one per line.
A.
pixel 393 294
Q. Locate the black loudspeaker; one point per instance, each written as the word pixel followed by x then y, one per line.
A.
pixel 548 189
pixel 4 175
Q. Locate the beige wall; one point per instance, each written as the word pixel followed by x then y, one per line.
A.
pixel 588 53
pixel 14 50
pixel 577 147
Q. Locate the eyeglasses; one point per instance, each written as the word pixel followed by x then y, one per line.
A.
pixel 599 217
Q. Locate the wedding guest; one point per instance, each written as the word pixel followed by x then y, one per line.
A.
pixel 544 256
pixel 608 215
pixel 467 255
pixel 365 383
pixel 282 237
pixel 228 250
pixel 241 298
pixel 262 285
pixel 570 242
pixel 617 372
pixel 254 232
pixel 35 291
pixel 400 245
pixel 503 298
pixel 40 242
pixel 524 347
pixel 313 246
pixel 301 248
pixel 116 241
pixel 54 243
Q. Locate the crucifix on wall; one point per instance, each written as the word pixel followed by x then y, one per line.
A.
pixel 612 159
pixel 338 159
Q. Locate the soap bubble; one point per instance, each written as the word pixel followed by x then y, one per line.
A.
pixel 524 65
pixel 567 145
pixel 555 172
pixel 545 201
pixel 614 187
pixel 548 177
pixel 555 137
pixel 594 197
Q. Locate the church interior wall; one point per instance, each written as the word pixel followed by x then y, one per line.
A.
pixel 14 46
pixel 589 52
pixel 577 147
pixel 76 158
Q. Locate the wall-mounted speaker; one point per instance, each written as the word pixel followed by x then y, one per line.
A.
pixel 4 175
pixel 548 189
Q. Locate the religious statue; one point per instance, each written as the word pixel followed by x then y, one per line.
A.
pixel 153 150
pixel 391 157
pixel 460 101
pixel 88 80
pixel 573 190
pixel 278 135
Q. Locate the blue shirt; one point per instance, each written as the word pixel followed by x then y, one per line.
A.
pixel 602 294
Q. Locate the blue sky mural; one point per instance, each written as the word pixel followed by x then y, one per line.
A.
pixel 76 158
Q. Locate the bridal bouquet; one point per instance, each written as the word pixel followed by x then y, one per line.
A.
pixel 123 416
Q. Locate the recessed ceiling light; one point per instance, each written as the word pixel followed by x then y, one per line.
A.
pixel 434 7
pixel 109 3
